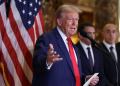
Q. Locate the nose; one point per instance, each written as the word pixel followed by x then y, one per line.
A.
pixel 73 23
pixel 111 33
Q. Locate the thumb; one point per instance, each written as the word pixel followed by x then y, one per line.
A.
pixel 51 46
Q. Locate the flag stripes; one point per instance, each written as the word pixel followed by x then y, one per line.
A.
pixel 20 40
pixel 16 47
pixel 5 72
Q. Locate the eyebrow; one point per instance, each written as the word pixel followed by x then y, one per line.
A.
pixel 110 30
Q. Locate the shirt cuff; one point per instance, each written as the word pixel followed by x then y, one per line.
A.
pixel 48 67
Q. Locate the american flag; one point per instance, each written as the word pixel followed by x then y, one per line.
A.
pixel 18 33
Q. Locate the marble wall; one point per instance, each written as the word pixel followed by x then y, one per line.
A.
pixel 98 12
pixel 105 12
pixel 48 9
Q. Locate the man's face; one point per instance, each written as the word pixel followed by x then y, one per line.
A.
pixel 91 31
pixel 68 23
pixel 110 34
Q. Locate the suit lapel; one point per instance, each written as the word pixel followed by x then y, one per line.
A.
pixel 83 56
pixel 105 48
pixel 79 61
pixel 64 49
pixel 96 60
pixel 118 54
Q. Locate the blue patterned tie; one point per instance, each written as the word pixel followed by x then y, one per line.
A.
pixel 112 54
pixel 90 59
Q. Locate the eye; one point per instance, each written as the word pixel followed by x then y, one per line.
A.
pixel 114 31
pixel 108 31
pixel 77 19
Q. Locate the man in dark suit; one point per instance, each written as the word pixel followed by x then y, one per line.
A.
pixel 110 34
pixel 118 44
pixel 55 61
pixel 91 58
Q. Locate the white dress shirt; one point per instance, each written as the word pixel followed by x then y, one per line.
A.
pixel 86 50
pixel 108 47
pixel 64 37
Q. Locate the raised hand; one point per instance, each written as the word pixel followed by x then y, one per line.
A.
pixel 51 57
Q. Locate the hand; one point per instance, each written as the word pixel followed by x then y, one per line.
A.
pixel 51 57
pixel 94 81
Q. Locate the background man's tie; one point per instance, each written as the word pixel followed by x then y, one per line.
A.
pixel 113 55
pixel 90 59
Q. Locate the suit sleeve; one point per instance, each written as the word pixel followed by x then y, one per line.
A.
pixel 101 73
pixel 40 55
pixel 107 83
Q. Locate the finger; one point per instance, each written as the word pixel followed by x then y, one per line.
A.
pixel 57 59
pixel 94 82
pixel 96 78
pixel 51 49
pixel 51 54
pixel 51 46
pixel 55 56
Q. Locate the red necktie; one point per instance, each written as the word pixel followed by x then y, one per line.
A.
pixel 74 63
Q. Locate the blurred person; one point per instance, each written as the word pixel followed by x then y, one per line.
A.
pixel 91 58
pixel 118 44
pixel 110 34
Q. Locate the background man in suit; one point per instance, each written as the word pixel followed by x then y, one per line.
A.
pixel 118 44
pixel 55 61
pixel 91 58
pixel 110 34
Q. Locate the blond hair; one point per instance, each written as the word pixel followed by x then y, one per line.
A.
pixel 66 8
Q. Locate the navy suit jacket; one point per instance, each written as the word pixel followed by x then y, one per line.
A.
pixel 110 68
pixel 61 73
pixel 98 63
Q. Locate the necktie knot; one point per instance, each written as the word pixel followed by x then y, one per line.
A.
pixel 88 48
pixel 68 39
pixel 111 48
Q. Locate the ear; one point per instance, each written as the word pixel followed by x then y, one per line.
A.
pixel 59 21
pixel 79 35
pixel 102 34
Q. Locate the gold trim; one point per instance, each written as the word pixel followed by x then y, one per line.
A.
pixel 4 76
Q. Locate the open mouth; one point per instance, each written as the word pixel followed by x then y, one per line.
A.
pixel 72 28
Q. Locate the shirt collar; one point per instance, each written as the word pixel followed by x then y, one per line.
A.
pixel 108 45
pixel 64 37
pixel 84 45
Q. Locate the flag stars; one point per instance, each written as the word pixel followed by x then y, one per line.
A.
pixel 20 0
pixel 30 13
pixel 36 1
pixel 35 9
pixel 24 2
pixel 23 11
pixel 31 4
pixel 39 3
pixel 29 22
